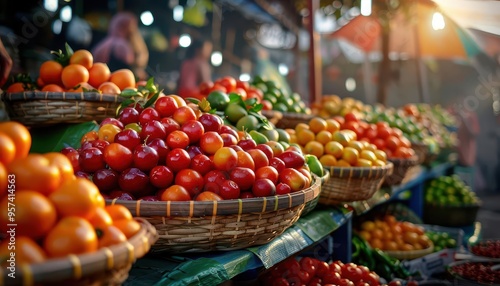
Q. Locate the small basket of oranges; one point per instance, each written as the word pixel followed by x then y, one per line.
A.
pixel 357 168
pixel 399 239
pixel 72 88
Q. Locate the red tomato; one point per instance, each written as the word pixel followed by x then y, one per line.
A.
pixel 382 124
pixel 383 132
pixel 392 143
pixel 205 87
pixel 166 106
pixel 218 87
pixel 228 82
pixel 242 84
pixel 225 159
pixel 191 180
pixel 175 193
pixel 350 116
pixel 208 196
pixel 267 172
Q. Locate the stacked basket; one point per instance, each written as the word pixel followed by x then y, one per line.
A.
pixel 290 120
pixel 348 184
pixel 46 108
pixel 201 226
pixel 401 170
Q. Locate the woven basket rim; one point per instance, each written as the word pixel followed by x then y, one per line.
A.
pixel 73 266
pixel 410 161
pixel 411 254
pixel 360 172
pixel 50 95
pixel 297 115
pixel 224 207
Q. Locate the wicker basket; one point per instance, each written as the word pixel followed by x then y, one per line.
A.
pixel 353 184
pixel 107 266
pixel 425 157
pixel 47 108
pixel 200 226
pixel 290 120
pixel 312 204
pixel 412 254
pixel 272 115
pixel 400 170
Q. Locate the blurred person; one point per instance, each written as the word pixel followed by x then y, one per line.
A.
pixel 195 69
pixel 124 46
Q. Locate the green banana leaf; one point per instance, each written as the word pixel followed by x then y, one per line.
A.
pixel 54 138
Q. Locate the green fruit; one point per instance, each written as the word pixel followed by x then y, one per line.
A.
pixel 280 107
pixel 296 97
pixel 271 98
pixel 234 112
pixel 284 144
pixel 314 165
pixel 258 137
pixel 271 134
pixel 283 135
pixel 218 100
pixel 295 108
pixel 247 123
pixel 257 79
pixel 262 87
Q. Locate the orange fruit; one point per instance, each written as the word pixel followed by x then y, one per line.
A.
pixel 71 235
pixel 301 126
pixel 27 251
pixel 109 88
pixel 100 218
pixel 36 173
pixel 74 74
pixel 82 57
pixel 63 164
pixel 180 101
pixel 343 163
pixel 35 214
pixel 50 72
pixel 118 212
pixel 334 148
pixel 81 87
pixel 317 124
pixel 332 125
pixel 123 78
pixel 4 182
pixel 20 135
pixel 16 87
pixel 98 74
pixel 324 137
pixel 129 227
pixel 304 136
pixel 7 149
pixel 53 87
pixel 328 160
pixel 78 197
pixel 314 148
pixel 109 235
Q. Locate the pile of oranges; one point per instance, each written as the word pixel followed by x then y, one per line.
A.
pixel 335 146
pixel 389 234
pixel 50 211
pixel 80 74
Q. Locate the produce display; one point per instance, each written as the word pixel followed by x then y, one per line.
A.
pixel 53 214
pixel 278 99
pixel 311 271
pixel 441 240
pixel 333 105
pixel 76 71
pixel 477 271
pixel 389 234
pixel 486 248
pixel 449 191
pixel 169 151
pixel 335 147
pixel 384 265
pixel 264 92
